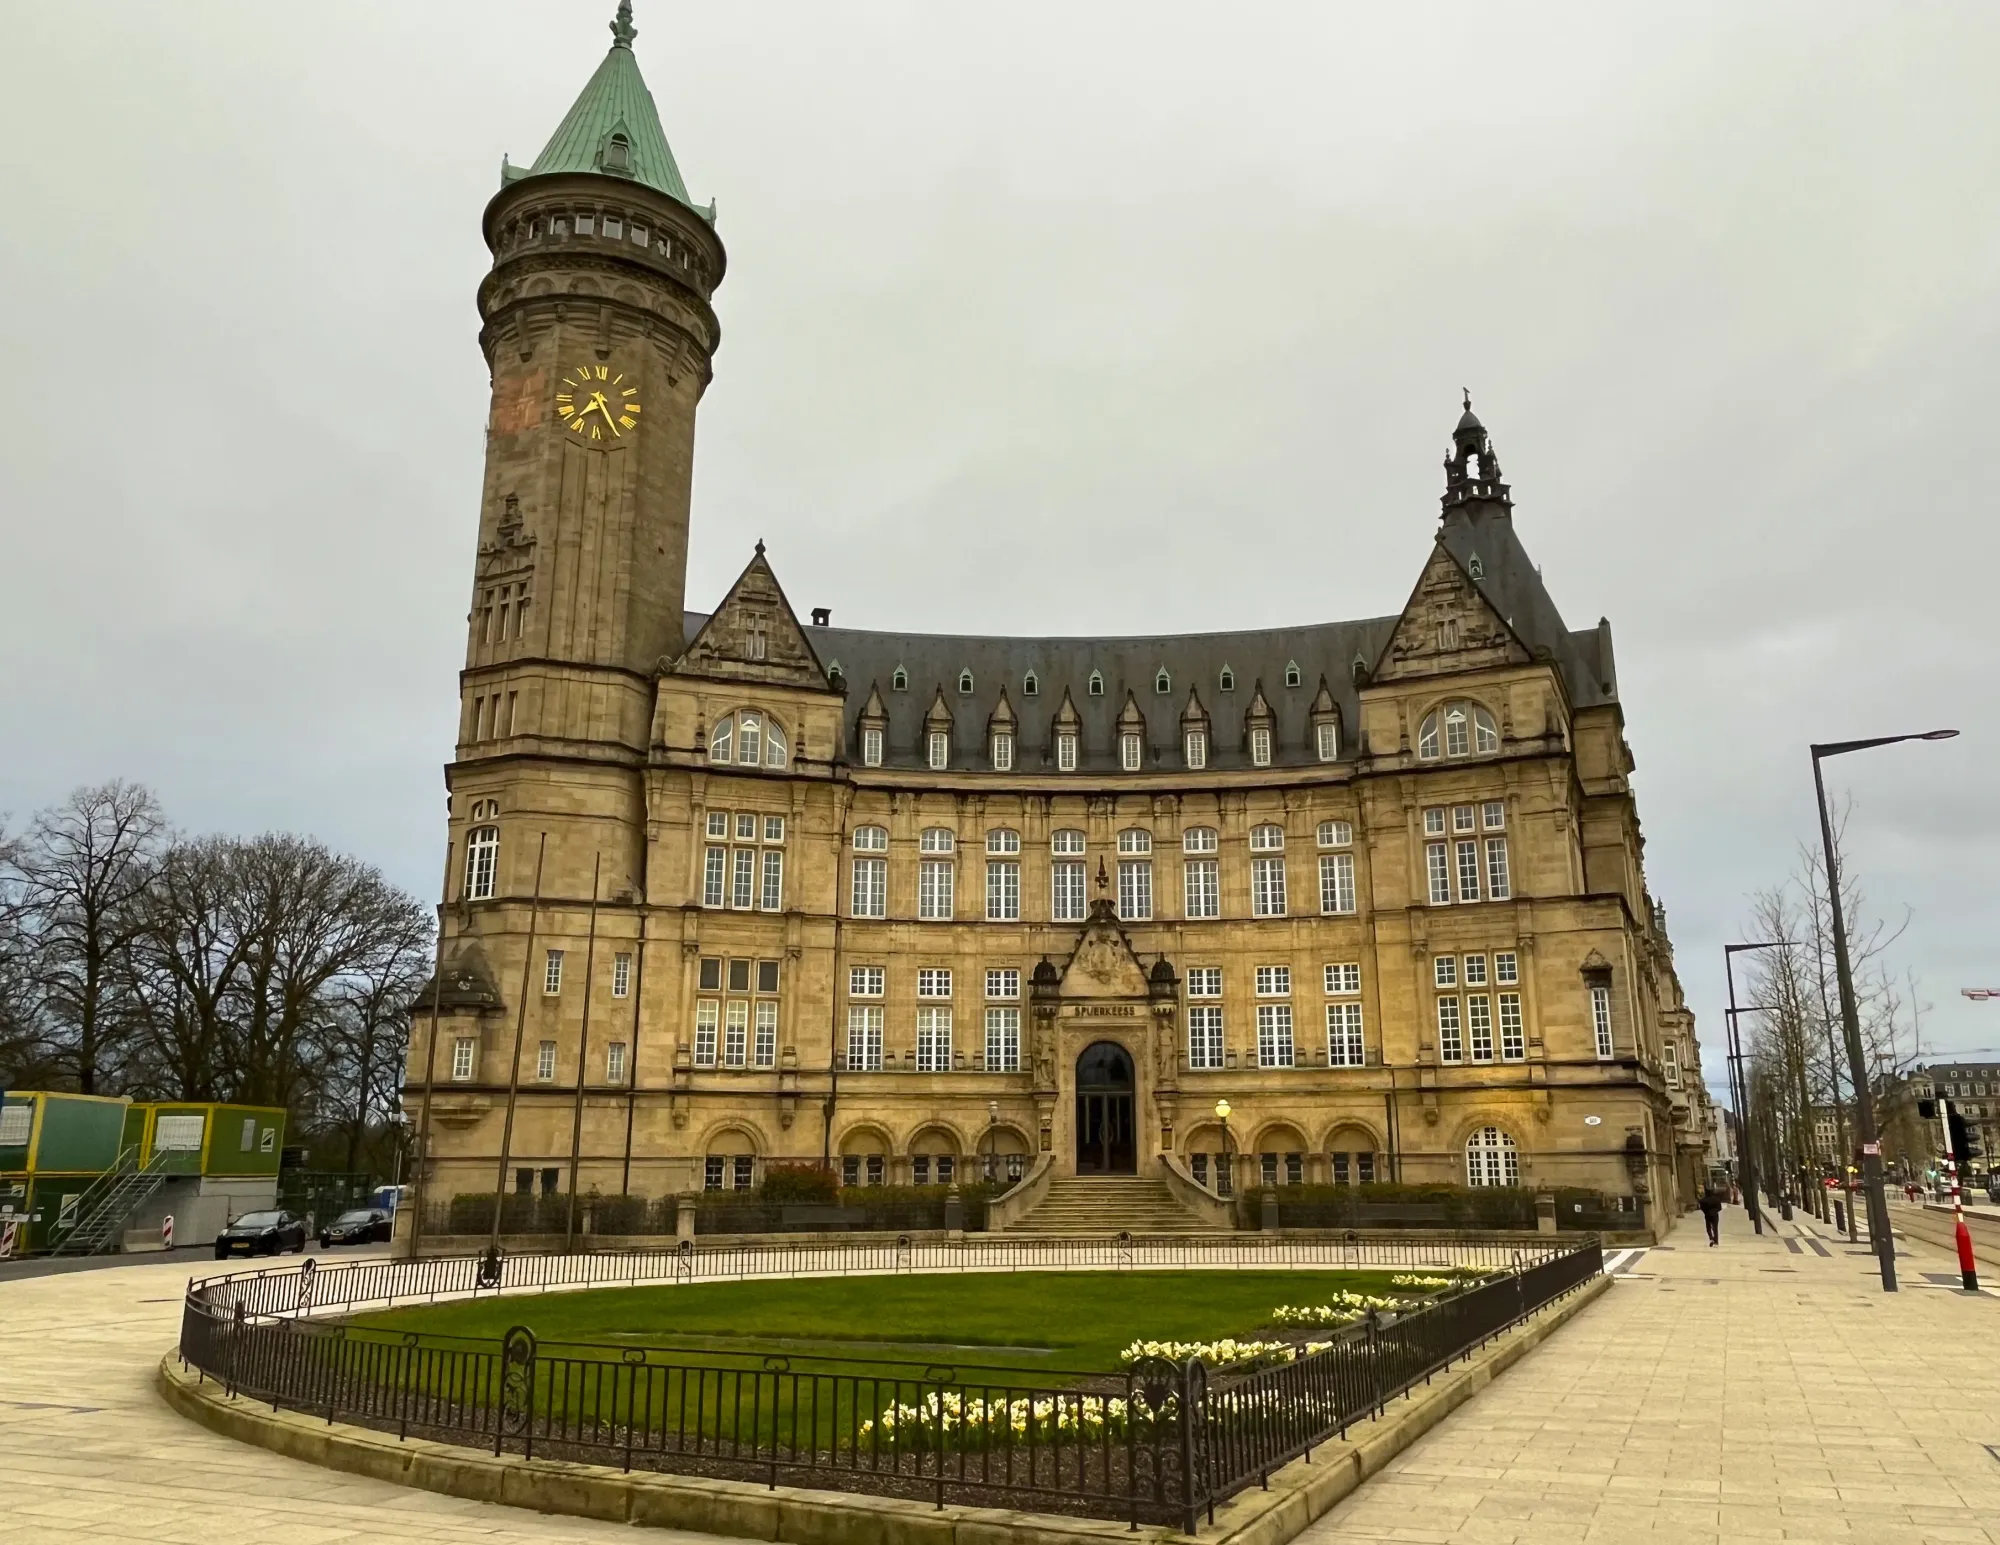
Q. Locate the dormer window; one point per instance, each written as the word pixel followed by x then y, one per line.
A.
pixel 1163 683
pixel 1292 677
pixel 965 683
pixel 1131 751
pixel 1227 681
pixel 1097 683
pixel 1030 685
pixel 618 154
pixel 900 681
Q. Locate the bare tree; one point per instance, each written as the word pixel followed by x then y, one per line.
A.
pixel 79 875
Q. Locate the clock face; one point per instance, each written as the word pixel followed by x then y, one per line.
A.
pixel 597 404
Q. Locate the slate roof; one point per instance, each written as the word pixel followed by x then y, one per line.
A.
pixel 616 98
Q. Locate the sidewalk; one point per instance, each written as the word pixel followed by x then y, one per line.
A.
pixel 1766 1389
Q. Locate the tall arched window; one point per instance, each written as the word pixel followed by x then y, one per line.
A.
pixel 482 851
pixel 721 738
pixel 1457 729
pixel 774 746
pixel 1491 1159
pixel 1484 736
pixel 748 740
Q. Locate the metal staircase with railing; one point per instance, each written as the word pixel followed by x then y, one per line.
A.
pixel 109 1200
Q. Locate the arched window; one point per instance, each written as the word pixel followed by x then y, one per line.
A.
pixel 900 680
pixel 1199 839
pixel 618 154
pixel 1457 734
pixel 1491 1159
pixel 1267 839
pixel 1427 737
pixel 1457 729
pixel 1030 685
pixel 774 746
pixel 1227 680
pixel 871 839
pixel 721 738
pixel 1066 842
pixel 749 739
pixel 965 683
pixel 1292 677
pixel 482 852
pixel 1163 683
pixel 1097 683
pixel 1484 736
pixel 937 839
pixel 1135 839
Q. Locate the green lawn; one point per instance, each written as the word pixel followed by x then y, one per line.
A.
pixel 1063 1321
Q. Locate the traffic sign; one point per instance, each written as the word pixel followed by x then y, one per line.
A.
pixel 1874 1148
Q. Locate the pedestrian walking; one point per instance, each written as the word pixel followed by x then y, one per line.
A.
pixel 1711 1214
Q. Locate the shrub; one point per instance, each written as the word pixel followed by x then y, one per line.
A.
pixel 798 1183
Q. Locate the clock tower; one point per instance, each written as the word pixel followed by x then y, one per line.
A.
pixel 598 331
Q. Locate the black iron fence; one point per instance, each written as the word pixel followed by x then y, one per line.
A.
pixel 1159 1442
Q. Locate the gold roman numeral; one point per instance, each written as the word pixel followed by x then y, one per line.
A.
pixel 602 371
pixel 628 422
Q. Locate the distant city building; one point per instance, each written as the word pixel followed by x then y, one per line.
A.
pixel 1913 1144
pixel 727 888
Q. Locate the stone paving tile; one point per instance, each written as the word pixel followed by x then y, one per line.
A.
pixel 1711 1397
pixel 91 1453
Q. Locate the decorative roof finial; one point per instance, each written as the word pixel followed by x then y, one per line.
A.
pixel 760 547
pixel 622 30
pixel 1468 397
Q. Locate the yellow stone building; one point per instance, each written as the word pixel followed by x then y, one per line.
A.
pixel 729 889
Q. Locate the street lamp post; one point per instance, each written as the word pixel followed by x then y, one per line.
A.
pixel 1739 1080
pixel 1850 1017
pixel 1228 1168
pixel 992 1140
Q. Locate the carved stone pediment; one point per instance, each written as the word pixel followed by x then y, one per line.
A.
pixel 1103 964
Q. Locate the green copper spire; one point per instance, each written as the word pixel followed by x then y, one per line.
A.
pixel 613 128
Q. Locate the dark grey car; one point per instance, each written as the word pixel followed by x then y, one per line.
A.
pixel 261 1233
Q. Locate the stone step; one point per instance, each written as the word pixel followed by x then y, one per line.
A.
pixel 1109 1205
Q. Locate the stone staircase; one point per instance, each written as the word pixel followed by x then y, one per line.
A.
pixel 1103 1206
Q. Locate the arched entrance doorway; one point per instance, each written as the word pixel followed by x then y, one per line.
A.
pixel 1104 1125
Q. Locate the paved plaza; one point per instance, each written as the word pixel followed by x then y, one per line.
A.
pixel 1765 1390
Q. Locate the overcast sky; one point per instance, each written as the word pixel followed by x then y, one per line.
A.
pixel 1044 318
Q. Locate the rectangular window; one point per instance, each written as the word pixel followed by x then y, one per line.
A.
pixel 1499 887
pixel 621 975
pixel 1267 887
pixel 1003 751
pixel 1493 815
pixel 1003 982
pixel 1131 752
pixel 1343 980
pixel 1326 736
pixel 739 976
pixel 1444 971
pixel 933 1040
pixel 1202 880
pixel 461 1062
pixel 718 823
pixel 746 827
pixel 1336 834
pixel 1513 1047
pixel 864 1039
pixel 707 1019
pixel 1468 871
pixel 1475 970
pixel 743 1168
pixel 1066 892
pixel 545 1061
pixel 1450 1047
pixel 871 748
pixel 1135 889
pixel 1204 1035
pixel 1204 981
pixel 765 1051
pixel 1065 752
pixel 1434 822
pixel 735 1033
pixel 934 982
pixel 1463 818
pixel 1274 1035
pixel 1274 981
pixel 1336 882
pixel 1479 1027
pixel 1343 1036
pixel 1437 862
pixel 767 976
pixel 871 887
pixel 714 865
pixel 1260 746
pixel 864 981
pixel 940 750
pixel 743 878
pixel 773 898
pixel 1003 890
pixel 1003 839
pixel 1670 1058
pixel 1196 749
pixel 774 828
pixel 614 1063
pixel 552 974
pixel 1506 968
pixel 712 1169
pixel 1600 1021
pixel 1003 1040
pixel 934 877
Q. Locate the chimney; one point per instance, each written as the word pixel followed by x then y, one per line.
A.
pixel 822 617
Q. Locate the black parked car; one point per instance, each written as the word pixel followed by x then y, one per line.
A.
pixel 364 1225
pixel 261 1233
